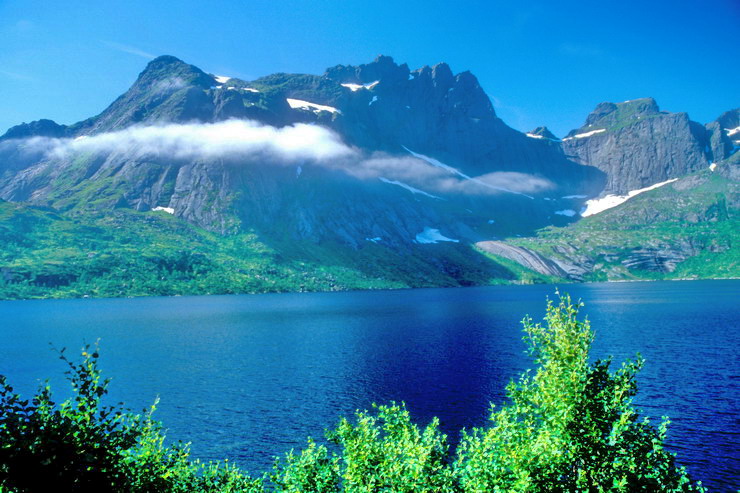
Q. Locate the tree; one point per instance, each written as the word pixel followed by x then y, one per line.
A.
pixel 82 445
pixel 570 424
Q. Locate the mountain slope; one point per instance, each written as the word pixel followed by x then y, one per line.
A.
pixel 686 229
pixel 129 253
pixel 365 176
pixel 637 145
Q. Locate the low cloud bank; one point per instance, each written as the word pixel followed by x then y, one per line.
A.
pixel 299 144
pixel 232 138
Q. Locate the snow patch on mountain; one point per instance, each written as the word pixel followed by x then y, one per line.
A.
pixel 298 104
pixel 585 134
pixel 168 210
pixel 596 206
pixel 357 87
pixel 432 235
pixel 222 79
pixel 408 187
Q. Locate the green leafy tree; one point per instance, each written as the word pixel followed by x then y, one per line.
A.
pixel 83 445
pixel 570 424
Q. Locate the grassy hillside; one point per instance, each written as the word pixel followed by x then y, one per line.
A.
pixel 687 229
pixel 46 253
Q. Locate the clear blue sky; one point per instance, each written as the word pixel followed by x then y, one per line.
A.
pixel 541 62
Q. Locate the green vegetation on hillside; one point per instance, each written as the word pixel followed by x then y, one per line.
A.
pixel 568 425
pixel 46 253
pixel 688 229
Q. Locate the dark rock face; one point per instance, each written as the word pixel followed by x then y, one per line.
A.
pixel 38 128
pixel 449 117
pixel 544 133
pixel 724 135
pixel 636 145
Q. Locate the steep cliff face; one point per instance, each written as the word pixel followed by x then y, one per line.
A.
pixel 489 179
pixel 724 136
pixel 637 145
pixel 433 112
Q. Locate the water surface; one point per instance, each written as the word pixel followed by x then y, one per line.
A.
pixel 250 377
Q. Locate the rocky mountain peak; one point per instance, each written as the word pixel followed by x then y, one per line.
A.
pixel 723 135
pixel 608 115
pixel 167 70
pixel 637 145
pixel 729 119
pixel 38 128
pixel 442 74
pixel 543 133
pixel 382 68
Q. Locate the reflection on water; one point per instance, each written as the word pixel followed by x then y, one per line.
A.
pixel 249 377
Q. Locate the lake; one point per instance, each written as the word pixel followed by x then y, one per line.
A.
pixel 250 377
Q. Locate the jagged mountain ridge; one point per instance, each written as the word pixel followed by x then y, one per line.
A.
pixel 380 107
pixel 427 117
pixel 637 145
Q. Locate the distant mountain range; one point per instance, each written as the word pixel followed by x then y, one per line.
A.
pixel 366 176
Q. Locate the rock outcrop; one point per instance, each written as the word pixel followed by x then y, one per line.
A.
pixel 533 260
pixel 441 119
pixel 724 136
pixel 637 145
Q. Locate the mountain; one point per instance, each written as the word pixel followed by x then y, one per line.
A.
pixel 478 169
pixel 383 175
pixel 724 136
pixel 686 229
pixel 637 145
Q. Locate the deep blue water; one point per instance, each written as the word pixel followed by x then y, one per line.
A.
pixel 250 377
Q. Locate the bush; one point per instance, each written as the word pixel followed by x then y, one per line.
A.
pixel 81 445
pixel 568 425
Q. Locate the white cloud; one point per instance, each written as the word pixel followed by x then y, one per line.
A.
pixel 232 138
pixel 247 141
pixel 168 85
pixel 131 50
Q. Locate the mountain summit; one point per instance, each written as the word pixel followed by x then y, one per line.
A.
pixel 369 158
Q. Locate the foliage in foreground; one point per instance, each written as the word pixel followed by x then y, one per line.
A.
pixel 569 425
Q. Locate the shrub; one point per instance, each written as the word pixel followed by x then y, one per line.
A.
pixel 82 445
pixel 568 425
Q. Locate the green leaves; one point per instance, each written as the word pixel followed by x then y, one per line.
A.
pixel 568 425
pixel 83 445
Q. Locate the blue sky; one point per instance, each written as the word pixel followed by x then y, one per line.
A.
pixel 541 62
